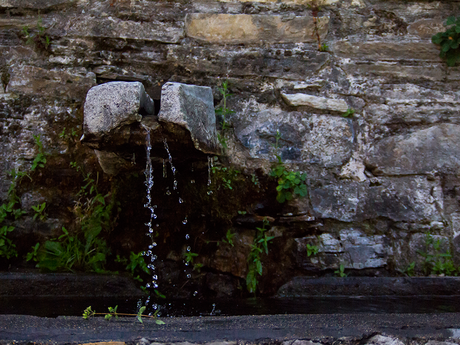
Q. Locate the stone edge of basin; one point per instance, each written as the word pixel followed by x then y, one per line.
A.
pixel 14 284
pixel 369 286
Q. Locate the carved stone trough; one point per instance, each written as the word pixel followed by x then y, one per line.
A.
pixel 116 115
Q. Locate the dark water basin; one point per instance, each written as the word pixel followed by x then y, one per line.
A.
pixel 53 306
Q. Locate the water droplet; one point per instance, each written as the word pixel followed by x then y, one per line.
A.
pixel 185 222
pixel 155 216
pixel 189 276
pixel 150 247
pixel 153 257
pixel 155 285
pixel 158 225
pixel 168 192
pixel 154 244
pixel 195 293
pixel 209 192
pixel 192 181
pixel 149 252
pixel 181 201
pixel 189 248
pixel 187 263
pixel 147 285
pixel 150 230
pixel 187 237
pixel 155 277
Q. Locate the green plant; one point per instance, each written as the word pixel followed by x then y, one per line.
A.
pixel 83 249
pixel 38 37
pixel 33 255
pixel 229 238
pixel 224 112
pixel 188 256
pixel 410 270
pixel 341 271
pixel 259 246
pixel 40 158
pixel 290 183
pixel 10 211
pixel 225 175
pixel 40 211
pixel 312 249
pixel 436 262
pixel 449 41
pixel 349 113
pixel 324 47
pixel 88 312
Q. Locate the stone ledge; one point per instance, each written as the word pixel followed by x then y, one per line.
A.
pixel 388 51
pixel 245 28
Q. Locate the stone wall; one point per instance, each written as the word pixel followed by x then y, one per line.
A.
pixel 377 180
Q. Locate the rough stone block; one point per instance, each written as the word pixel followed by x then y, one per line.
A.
pixel 433 149
pixel 34 4
pixel 244 28
pixel 426 28
pixel 317 139
pixel 384 340
pixel 126 29
pixel 393 71
pixel 72 83
pixel 299 2
pixel 321 103
pixel 286 63
pixel 191 107
pixel 409 199
pixel 112 105
pixel 387 51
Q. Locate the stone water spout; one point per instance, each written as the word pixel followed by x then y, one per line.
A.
pixel 116 115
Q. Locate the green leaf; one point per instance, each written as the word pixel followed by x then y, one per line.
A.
pixel 450 20
pixel 159 322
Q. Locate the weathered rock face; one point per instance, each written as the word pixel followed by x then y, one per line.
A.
pixel 378 180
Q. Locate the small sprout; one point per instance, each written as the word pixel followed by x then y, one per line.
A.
pixel 341 271
pixel 324 48
pixel 139 314
pixel 349 113
pixel 312 250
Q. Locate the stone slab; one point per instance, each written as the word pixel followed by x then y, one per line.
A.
pixel 282 62
pixel 297 2
pixel 387 51
pixel 125 29
pixel 71 83
pixel 245 28
pixel 370 286
pixel 191 107
pixel 422 152
pixel 409 199
pixel 318 139
pixel 317 102
pixel 34 4
pixel 114 104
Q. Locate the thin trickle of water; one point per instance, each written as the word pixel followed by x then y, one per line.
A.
pixel 173 169
pixel 149 182
pixel 210 166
